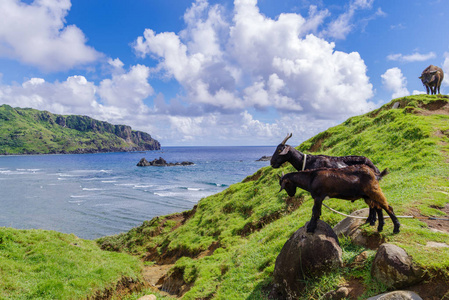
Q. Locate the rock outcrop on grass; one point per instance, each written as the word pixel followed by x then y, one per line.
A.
pixel 303 256
pixel 394 268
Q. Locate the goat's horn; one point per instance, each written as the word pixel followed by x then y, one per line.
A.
pixel 286 138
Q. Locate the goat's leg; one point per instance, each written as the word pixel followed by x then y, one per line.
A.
pixel 380 215
pixel 316 213
pixel 381 202
pixel 372 213
pixel 394 219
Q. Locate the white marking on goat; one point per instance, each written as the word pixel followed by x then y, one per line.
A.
pixel 304 162
pixel 341 165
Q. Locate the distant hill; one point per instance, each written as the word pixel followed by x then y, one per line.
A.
pixel 30 131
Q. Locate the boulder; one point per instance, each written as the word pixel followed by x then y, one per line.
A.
pixel 397 295
pixel 305 255
pixel 394 268
pixel 350 227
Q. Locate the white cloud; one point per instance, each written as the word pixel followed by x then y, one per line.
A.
pixel 411 57
pixel 343 25
pixel 394 81
pixel 446 68
pixel 36 34
pixel 127 90
pixel 255 61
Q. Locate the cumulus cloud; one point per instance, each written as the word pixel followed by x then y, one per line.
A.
pixel 41 37
pixel 252 61
pixel 114 99
pixel 411 57
pixel 233 67
pixel 394 81
pixel 446 68
pixel 343 25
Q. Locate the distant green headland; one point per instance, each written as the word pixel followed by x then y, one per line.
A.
pixel 30 131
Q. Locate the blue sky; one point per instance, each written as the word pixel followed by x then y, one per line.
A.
pixel 241 72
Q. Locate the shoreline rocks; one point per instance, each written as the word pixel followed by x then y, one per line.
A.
pixel 264 158
pixel 161 163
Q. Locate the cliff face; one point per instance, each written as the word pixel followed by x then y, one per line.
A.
pixel 30 131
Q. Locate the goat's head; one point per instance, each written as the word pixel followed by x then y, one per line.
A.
pixel 428 77
pixel 287 185
pixel 281 154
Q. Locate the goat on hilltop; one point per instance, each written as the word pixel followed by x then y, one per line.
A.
pixel 348 183
pixel 431 78
pixel 301 162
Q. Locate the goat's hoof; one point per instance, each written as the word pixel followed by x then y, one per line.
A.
pixel 370 222
pixel 379 229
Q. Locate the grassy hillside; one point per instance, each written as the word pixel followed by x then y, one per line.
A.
pixel 30 131
pixel 225 248
pixel 38 264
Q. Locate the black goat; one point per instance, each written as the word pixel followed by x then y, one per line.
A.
pixel 349 183
pixel 301 162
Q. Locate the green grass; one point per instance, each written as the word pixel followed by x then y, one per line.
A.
pixel 38 264
pixel 251 221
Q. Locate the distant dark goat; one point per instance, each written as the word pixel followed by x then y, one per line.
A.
pixel 349 183
pixel 301 161
pixel 431 78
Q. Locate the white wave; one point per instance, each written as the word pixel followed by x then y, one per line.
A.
pixel 76 201
pixel 166 194
pixel 125 184
pixel 92 189
pixel 194 189
pixel 142 186
pixel 108 181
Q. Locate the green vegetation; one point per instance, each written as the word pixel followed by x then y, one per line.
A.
pixel 38 264
pixel 226 247
pixel 30 131
pixel 249 222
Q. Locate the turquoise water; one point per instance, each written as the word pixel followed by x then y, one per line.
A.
pixel 93 195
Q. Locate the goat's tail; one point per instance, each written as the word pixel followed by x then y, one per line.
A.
pixel 382 174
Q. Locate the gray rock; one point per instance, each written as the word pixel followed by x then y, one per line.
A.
pixel 350 227
pixel 397 295
pixel 340 293
pixel 264 158
pixel 394 268
pixel 305 255
pixel 161 163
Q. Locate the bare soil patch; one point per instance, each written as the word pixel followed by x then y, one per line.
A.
pixel 437 224
pixel 439 107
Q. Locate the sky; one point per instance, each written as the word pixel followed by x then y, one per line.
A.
pixel 219 72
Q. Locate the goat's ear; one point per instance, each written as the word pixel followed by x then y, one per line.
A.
pixel 285 151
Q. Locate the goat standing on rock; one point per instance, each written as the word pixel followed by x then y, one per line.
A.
pixel 300 161
pixel 349 183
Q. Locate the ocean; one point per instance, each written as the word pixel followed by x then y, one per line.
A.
pixel 95 195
